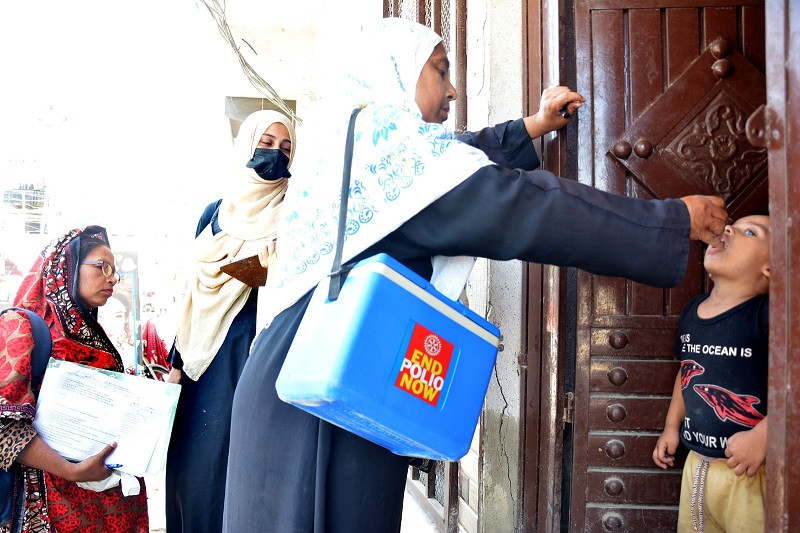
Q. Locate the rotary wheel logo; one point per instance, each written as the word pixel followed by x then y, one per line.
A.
pixel 433 345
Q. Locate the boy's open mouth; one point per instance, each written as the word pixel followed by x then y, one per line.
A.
pixel 717 245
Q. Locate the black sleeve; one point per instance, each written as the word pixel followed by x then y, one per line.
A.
pixel 507 144
pixel 502 214
pixel 764 316
pixel 677 346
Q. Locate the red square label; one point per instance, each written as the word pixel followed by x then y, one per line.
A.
pixel 424 367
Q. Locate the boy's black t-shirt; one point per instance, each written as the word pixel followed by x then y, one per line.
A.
pixel 723 372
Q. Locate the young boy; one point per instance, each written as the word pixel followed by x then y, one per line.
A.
pixel 719 403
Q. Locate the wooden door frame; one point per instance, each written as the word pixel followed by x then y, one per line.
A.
pixel 542 380
pixel 783 143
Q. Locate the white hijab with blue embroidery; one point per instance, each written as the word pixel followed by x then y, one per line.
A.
pixel 401 164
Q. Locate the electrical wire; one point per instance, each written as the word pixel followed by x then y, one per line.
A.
pixel 217 12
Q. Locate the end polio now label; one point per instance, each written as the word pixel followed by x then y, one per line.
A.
pixel 424 368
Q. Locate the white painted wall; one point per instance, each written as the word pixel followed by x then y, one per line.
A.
pixel 290 47
pixel 494 90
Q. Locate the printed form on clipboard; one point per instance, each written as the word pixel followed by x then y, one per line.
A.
pixel 81 409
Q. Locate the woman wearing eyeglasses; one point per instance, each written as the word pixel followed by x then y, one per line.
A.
pixel 72 277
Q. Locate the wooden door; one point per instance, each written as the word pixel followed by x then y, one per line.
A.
pixel 670 86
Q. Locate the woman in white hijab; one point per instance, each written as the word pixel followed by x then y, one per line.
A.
pixel 416 193
pixel 219 320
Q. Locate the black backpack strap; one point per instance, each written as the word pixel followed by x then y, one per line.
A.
pixel 338 274
pixel 42 345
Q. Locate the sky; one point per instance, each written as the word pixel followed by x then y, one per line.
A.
pixel 118 106
pixel 118 109
pixel 115 106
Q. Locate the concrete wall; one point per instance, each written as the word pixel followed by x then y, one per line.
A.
pixel 494 90
pixel 281 56
pixel 289 47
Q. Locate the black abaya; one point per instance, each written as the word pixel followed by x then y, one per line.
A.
pixel 290 472
pixel 198 452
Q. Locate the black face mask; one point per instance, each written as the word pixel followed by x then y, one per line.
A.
pixel 270 164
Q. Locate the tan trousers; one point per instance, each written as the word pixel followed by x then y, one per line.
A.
pixel 723 501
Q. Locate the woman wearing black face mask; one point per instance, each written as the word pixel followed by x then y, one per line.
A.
pixel 271 163
pixel 218 321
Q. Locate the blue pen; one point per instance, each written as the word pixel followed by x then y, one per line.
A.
pixel 112 467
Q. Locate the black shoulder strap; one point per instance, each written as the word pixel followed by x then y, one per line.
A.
pixel 42 344
pixel 337 275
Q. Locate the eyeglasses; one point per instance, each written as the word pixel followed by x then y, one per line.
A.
pixel 107 268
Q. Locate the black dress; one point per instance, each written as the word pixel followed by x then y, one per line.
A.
pixel 198 451
pixel 289 471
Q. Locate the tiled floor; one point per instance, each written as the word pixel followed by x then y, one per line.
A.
pixel 414 520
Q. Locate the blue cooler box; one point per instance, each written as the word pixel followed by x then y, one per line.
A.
pixel 392 360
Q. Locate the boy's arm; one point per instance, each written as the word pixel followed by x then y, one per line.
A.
pixel 747 450
pixel 664 452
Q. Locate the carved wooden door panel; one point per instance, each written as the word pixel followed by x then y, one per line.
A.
pixel 670 86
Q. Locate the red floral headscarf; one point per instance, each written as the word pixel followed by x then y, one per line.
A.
pixel 51 287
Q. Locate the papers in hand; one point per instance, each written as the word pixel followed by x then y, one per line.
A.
pixel 81 409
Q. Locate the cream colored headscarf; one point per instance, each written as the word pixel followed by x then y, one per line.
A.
pixel 248 219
